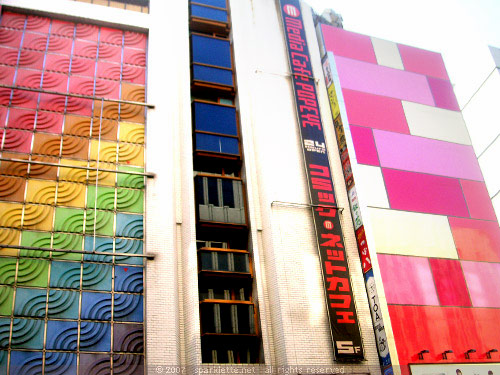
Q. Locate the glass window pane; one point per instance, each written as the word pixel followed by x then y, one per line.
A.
pixel 240 262
pixel 228 193
pixel 206 260
pixel 211 51
pixel 209 13
pixel 222 262
pixel 213 193
pixel 215 118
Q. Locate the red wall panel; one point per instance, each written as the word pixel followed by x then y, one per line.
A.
pixel 450 282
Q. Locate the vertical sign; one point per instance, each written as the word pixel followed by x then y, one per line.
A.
pixel 342 311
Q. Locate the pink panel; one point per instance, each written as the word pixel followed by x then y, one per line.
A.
pixel 31 59
pixel 55 82
pixel 476 239
pixel 407 280
pixel 478 200
pixel 374 111
pixel 381 80
pixel 57 63
pixel 110 52
pixel 38 24
pixel 85 49
pixel 348 44
pixel 364 145
pixel 35 41
pixel 417 154
pixel 421 61
pixel 427 193
pixel 108 70
pixel 133 56
pixel 83 67
pixel 11 38
pixel 7 74
pixel 450 282
pixel 443 94
pixel 62 28
pixel 13 20
pixel 17 140
pixel 87 32
pixel 482 281
pixel 60 45
pixel 135 40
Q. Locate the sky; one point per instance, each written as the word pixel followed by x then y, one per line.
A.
pixel 460 30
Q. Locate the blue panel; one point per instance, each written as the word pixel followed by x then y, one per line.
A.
pixel 102 245
pixel 230 146
pixel 27 333
pixel 63 304
pixel 211 51
pixel 96 276
pixel 26 363
pixel 214 3
pixel 3 361
pixel 95 337
pixel 62 335
pixel 129 225
pixel 65 275
pixel 60 363
pixel 215 118
pixel 209 13
pixel 130 247
pixel 128 308
pixel 30 302
pixel 128 279
pixel 215 143
pixel 96 306
pixel 213 75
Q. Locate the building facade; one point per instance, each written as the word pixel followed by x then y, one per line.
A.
pixel 164 207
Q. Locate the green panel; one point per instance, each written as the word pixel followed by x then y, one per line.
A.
pixel 130 200
pixel 67 242
pixel 103 223
pixel 69 220
pixel 35 239
pixel 6 299
pixel 7 270
pixel 33 272
pixel 105 198
pixel 130 181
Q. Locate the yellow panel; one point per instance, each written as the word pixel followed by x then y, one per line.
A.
pixel 103 178
pixel 106 151
pixel 71 174
pixel 41 191
pixel 410 233
pixel 131 154
pixel 38 217
pixel 133 133
pixel 69 194
pixel 9 237
pixel 11 215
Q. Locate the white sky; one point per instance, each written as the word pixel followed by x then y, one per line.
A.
pixel 460 30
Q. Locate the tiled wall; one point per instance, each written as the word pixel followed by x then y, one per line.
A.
pixel 433 225
pixel 71 312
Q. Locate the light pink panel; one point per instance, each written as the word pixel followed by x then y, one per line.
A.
pixel 407 280
pixel 375 111
pixel 482 282
pixel 348 44
pixel 417 154
pixel 426 193
pixel 421 61
pixel 443 94
pixel 364 145
pixel 478 200
pixel 381 80
pixel 476 239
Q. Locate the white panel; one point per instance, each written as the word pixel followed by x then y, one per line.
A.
pixel 488 162
pixel 411 233
pixel 370 186
pixel 387 53
pixel 436 123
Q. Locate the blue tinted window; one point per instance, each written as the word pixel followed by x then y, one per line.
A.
pixel 215 143
pixel 211 51
pixel 214 3
pixel 215 75
pixel 209 13
pixel 215 118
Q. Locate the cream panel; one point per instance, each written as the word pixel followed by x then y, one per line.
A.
pixel 410 233
pixel 387 53
pixel 436 123
pixel 370 186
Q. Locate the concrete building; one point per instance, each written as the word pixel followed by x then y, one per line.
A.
pixel 176 191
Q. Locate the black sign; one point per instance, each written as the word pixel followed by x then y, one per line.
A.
pixel 343 318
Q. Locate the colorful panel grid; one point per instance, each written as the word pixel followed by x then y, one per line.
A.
pixel 66 306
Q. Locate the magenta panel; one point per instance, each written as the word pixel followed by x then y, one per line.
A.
pixel 348 44
pixel 450 282
pixel 407 280
pixel 426 193
pixel 478 200
pixel 381 80
pixel 476 239
pixel 482 281
pixel 424 62
pixel 375 111
pixel 364 145
pixel 443 94
pixel 417 154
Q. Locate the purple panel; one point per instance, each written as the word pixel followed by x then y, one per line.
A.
pixel 374 111
pixel 427 193
pixel 450 282
pixel 364 145
pixel 478 200
pixel 482 282
pixel 381 80
pixel 424 62
pixel 417 154
pixel 443 94
pixel 348 44
pixel 407 280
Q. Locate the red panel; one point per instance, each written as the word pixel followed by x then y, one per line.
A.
pixel 108 70
pixel 11 38
pixel 54 103
pixel 38 24
pixel 21 119
pixel 87 32
pixel 8 56
pixel 36 42
pixel 476 239
pixel 421 61
pixel 85 49
pixel 49 122
pixel 478 200
pixel 13 20
pixel 364 145
pixel 427 193
pixel 134 57
pixel 57 63
pixel 450 282
pixel 29 78
pixel 62 28
pixel 79 85
pixel 443 94
pixel 23 99
pixel 135 40
pixel 348 44
pixel 110 52
pixel 111 36
pixel 7 74
pixel 134 74
pixel 375 111
pixel 3 116
pixel 60 45
pixel 83 67
pixel 440 328
pixel 31 59
pixel 55 82
pixel 17 140
pixel 107 88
